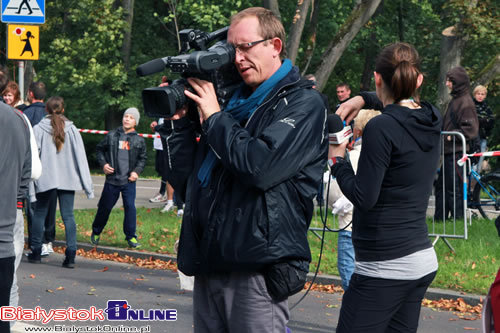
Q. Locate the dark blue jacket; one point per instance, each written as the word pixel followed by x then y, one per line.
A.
pixel 257 208
pixel 35 112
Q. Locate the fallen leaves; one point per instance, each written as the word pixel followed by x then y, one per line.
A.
pixel 459 306
pixel 327 288
pixel 146 263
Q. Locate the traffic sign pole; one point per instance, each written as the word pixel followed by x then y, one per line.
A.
pixel 21 78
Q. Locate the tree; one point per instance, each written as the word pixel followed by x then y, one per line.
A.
pixel 299 19
pixel 361 13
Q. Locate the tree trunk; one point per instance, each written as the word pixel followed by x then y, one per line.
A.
pixel 361 13
pixel 452 45
pixel 489 73
pixel 299 19
pixel 370 49
pixel 272 5
pixel 311 43
pixel 128 6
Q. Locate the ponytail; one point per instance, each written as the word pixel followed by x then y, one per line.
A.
pixel 55 109
pixel 398 64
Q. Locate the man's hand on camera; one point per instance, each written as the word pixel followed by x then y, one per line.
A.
pixel 153 125
pixel 205 97
pixel 350 108
pixel 178 113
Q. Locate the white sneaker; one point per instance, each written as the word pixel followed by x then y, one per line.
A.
pixel 45 250
pixel 168 207
pixel 180 212
pixel 158 198
pixel 50 249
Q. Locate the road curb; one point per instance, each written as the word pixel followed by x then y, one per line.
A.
pixel 434 294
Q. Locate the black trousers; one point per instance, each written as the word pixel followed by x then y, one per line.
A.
pixel 374 305
pixel 450 202
pixel 6 277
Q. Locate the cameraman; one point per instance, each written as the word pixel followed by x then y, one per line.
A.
pixel 249 183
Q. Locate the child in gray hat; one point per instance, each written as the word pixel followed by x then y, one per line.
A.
pixel 122 156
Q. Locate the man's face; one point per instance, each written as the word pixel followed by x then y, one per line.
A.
pixel 343 93
pixel 128 122
pixel 258 62
pixel 479 96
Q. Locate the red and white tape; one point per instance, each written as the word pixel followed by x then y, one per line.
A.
pixel 91 131
pixel 464 158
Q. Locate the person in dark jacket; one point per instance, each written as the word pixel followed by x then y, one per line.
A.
pixel 122 156
pixel 459 117
pixel 249 183
pixel 395 261
pixel 486 120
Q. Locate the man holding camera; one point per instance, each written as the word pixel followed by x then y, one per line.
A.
pixel 249 183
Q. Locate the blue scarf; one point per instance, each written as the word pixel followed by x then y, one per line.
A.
pixel 241 108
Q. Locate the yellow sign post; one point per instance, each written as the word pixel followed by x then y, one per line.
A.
pixel 23 42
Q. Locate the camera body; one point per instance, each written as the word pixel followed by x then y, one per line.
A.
pixel 214 64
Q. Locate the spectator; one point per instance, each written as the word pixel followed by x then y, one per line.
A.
pixel 343 93
pixel 486 120
pixel 312 78
pixel 122 156
pixel 249 183
pixel 161 196
pixel 35 113
pixel 11 94
pixel 459 117
pixel 395 261
pixel 65 171
pixel 14 143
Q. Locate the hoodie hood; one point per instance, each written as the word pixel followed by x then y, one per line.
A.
pixel 461 82
pixel 44 124
pixel 423 125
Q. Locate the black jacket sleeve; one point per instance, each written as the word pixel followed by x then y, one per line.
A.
pixel 142 156
pixel 101 149
pixel 371 100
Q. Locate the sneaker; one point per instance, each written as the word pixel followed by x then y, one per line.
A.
pixel 50 249
pixel 168 207
pixel 94 239
pixel 158 198
pixel 180 212
pixel 45 250
pixel 132 242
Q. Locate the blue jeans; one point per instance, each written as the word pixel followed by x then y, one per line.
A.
pixel 479 164
pixel 66 202
pixel 109 197
pixel 345 257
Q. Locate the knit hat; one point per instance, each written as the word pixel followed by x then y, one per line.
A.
pixel 135 113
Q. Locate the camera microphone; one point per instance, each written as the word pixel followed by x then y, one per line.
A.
pixel 337 132
pixel 151 67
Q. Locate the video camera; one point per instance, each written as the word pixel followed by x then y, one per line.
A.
pixel 214 64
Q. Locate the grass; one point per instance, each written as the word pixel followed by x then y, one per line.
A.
pixel 471 268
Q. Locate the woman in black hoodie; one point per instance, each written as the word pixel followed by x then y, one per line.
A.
pixel 395 261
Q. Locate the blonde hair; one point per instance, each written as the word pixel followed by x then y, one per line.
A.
pixel 363 117
pixel 269 24
pixel 479 88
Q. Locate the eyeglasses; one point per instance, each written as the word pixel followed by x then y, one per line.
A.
pixel 244 47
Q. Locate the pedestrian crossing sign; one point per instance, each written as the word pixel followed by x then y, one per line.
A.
pixel 23 11
pixel 23 42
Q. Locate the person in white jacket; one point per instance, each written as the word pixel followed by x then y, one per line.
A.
pixel 66 170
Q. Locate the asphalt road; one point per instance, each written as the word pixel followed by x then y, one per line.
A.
pixel 50 286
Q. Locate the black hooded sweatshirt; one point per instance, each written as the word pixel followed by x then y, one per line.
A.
pixel 391 189
pixel 461 114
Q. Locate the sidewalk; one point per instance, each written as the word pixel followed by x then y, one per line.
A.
pixel 434 294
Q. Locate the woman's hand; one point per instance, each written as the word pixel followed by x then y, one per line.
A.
pixel 337 150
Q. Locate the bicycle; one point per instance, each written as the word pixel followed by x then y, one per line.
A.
pixel 485 195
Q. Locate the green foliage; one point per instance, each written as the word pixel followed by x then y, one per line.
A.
pixel 82 61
